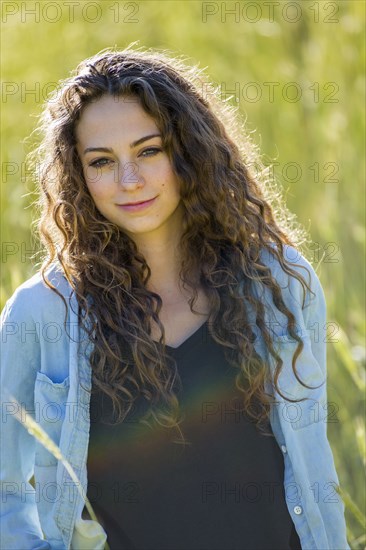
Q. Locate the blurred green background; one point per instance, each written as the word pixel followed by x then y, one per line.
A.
pixel 297 71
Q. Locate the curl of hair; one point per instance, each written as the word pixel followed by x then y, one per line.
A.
pixel 228 220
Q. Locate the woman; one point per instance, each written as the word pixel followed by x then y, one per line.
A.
pixel 171 328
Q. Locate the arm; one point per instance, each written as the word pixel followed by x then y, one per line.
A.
pixel 20 360
pixel 324 477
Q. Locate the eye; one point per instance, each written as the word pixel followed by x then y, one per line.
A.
pixel 99 163
pixel 152 150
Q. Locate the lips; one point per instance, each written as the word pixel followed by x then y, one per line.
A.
pixel 137 206
pixel 135 203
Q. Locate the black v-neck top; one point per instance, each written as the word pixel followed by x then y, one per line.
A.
pixel 224 491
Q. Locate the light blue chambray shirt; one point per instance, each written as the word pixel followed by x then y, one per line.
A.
pixel 48 372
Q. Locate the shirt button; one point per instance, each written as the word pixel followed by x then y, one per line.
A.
pixel 298 510
pixel 283 448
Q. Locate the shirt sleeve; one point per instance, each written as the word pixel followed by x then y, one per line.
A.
pixel 317 481
pixel 20 359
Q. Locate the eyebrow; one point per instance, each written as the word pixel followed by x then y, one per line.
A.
pixel 133 144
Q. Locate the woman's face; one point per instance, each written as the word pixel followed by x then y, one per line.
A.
pixel 120 148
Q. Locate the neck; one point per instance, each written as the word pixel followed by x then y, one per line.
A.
pixel 161 252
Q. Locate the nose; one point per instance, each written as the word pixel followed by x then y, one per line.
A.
pixel 129 174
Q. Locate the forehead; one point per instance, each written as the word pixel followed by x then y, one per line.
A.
pixel 113 115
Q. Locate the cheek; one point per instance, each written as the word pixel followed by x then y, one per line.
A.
pixel 98 192
pixel 99 187
pixel 168 181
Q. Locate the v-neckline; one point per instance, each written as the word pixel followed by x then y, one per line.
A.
pixel 188 342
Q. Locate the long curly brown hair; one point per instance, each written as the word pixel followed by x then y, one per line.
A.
pixel 232 211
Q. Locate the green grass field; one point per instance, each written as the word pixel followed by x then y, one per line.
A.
pixel 297 70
